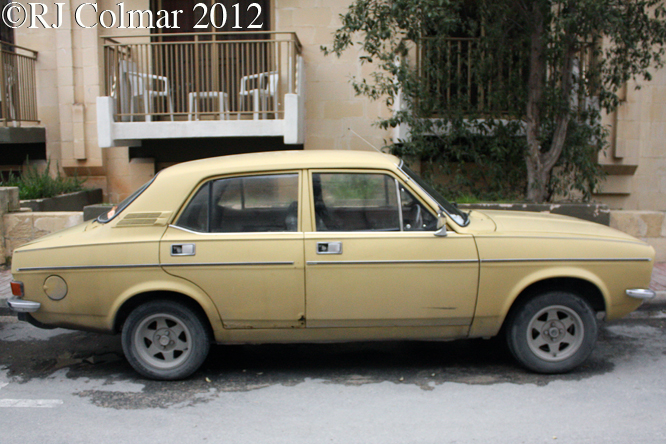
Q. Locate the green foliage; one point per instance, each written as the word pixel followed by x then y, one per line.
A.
pixel 350 187
pixel 491 168
pixel 493 89
pixel 33 184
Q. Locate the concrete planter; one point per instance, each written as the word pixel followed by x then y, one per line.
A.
pixel 594 212
pixel 65 202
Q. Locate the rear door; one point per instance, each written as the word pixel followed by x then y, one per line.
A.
pixel 239 239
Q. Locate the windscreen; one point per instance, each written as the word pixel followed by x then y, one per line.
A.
pixel 456 215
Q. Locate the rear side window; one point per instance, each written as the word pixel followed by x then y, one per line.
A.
pixel 244 204
pixel 195 216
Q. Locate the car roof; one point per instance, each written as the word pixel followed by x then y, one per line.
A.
pixel 278 160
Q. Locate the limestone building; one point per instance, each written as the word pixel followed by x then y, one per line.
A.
pixel 115 92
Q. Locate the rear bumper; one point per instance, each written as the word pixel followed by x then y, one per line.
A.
pixel 21 306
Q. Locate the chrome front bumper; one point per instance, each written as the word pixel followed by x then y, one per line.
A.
pixel 21 306
pixel 640 293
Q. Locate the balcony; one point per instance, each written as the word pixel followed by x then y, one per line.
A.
pixel 201 85
pixel 18 100
pixel 466 75
pixel 476 78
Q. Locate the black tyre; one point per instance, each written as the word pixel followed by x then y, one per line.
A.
pixel 552 333
pixel 165 340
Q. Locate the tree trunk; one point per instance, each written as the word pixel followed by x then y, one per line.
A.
pixel 540 163
pixel 536 183
pixel 564 115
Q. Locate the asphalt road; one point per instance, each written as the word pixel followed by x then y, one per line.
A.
pixel 71 387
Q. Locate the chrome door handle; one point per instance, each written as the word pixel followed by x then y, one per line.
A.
pixel 329 247
pixel 183 250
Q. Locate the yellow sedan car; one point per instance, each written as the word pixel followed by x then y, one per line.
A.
pixel 325 246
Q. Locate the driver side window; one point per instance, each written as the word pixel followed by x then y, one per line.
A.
pixel 367 202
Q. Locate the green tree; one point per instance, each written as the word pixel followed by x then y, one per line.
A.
pixel 505 95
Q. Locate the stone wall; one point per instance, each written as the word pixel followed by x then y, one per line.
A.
pixel 19 226
pixel 650 226
pixel 25 226
pixel 331 108
pixel 9 201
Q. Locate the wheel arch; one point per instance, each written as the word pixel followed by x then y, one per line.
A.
pixel 161 295
pixel 586 289
pixel 179 290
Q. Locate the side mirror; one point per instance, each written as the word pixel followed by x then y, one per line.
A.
pixel 441 225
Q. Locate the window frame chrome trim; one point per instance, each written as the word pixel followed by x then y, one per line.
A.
pixel 239 233
pixel 401 218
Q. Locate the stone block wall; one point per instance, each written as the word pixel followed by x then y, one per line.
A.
pixel 332 109
pixel 18 227
pixel 649 226
pixel 9 201
pixel 23 227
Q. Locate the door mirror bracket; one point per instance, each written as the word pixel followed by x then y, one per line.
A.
pixel 441 225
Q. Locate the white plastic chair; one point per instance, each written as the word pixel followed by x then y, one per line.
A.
pixel 260 87
pixel 146 86
pixel 195 97
pixel 8 94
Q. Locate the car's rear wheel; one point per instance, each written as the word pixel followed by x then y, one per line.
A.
pixel 553 332
pixel 165 340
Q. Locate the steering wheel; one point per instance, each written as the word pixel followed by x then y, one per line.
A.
pixel 416 217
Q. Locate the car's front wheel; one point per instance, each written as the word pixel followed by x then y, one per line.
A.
pixel 165 340
pixel 553 332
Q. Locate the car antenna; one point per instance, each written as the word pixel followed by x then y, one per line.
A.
pixel 360 137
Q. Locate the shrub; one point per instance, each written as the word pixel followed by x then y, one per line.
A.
pixel 33 184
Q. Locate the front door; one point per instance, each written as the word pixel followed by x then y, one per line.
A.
pixel 239 239
pixel 373 260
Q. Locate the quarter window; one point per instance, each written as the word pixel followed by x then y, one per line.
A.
pixel 244 204
pixel 415 217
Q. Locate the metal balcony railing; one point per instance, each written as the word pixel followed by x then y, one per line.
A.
pixel 470 75
pixel 466 74
pixel 18 89
pixel 201 76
